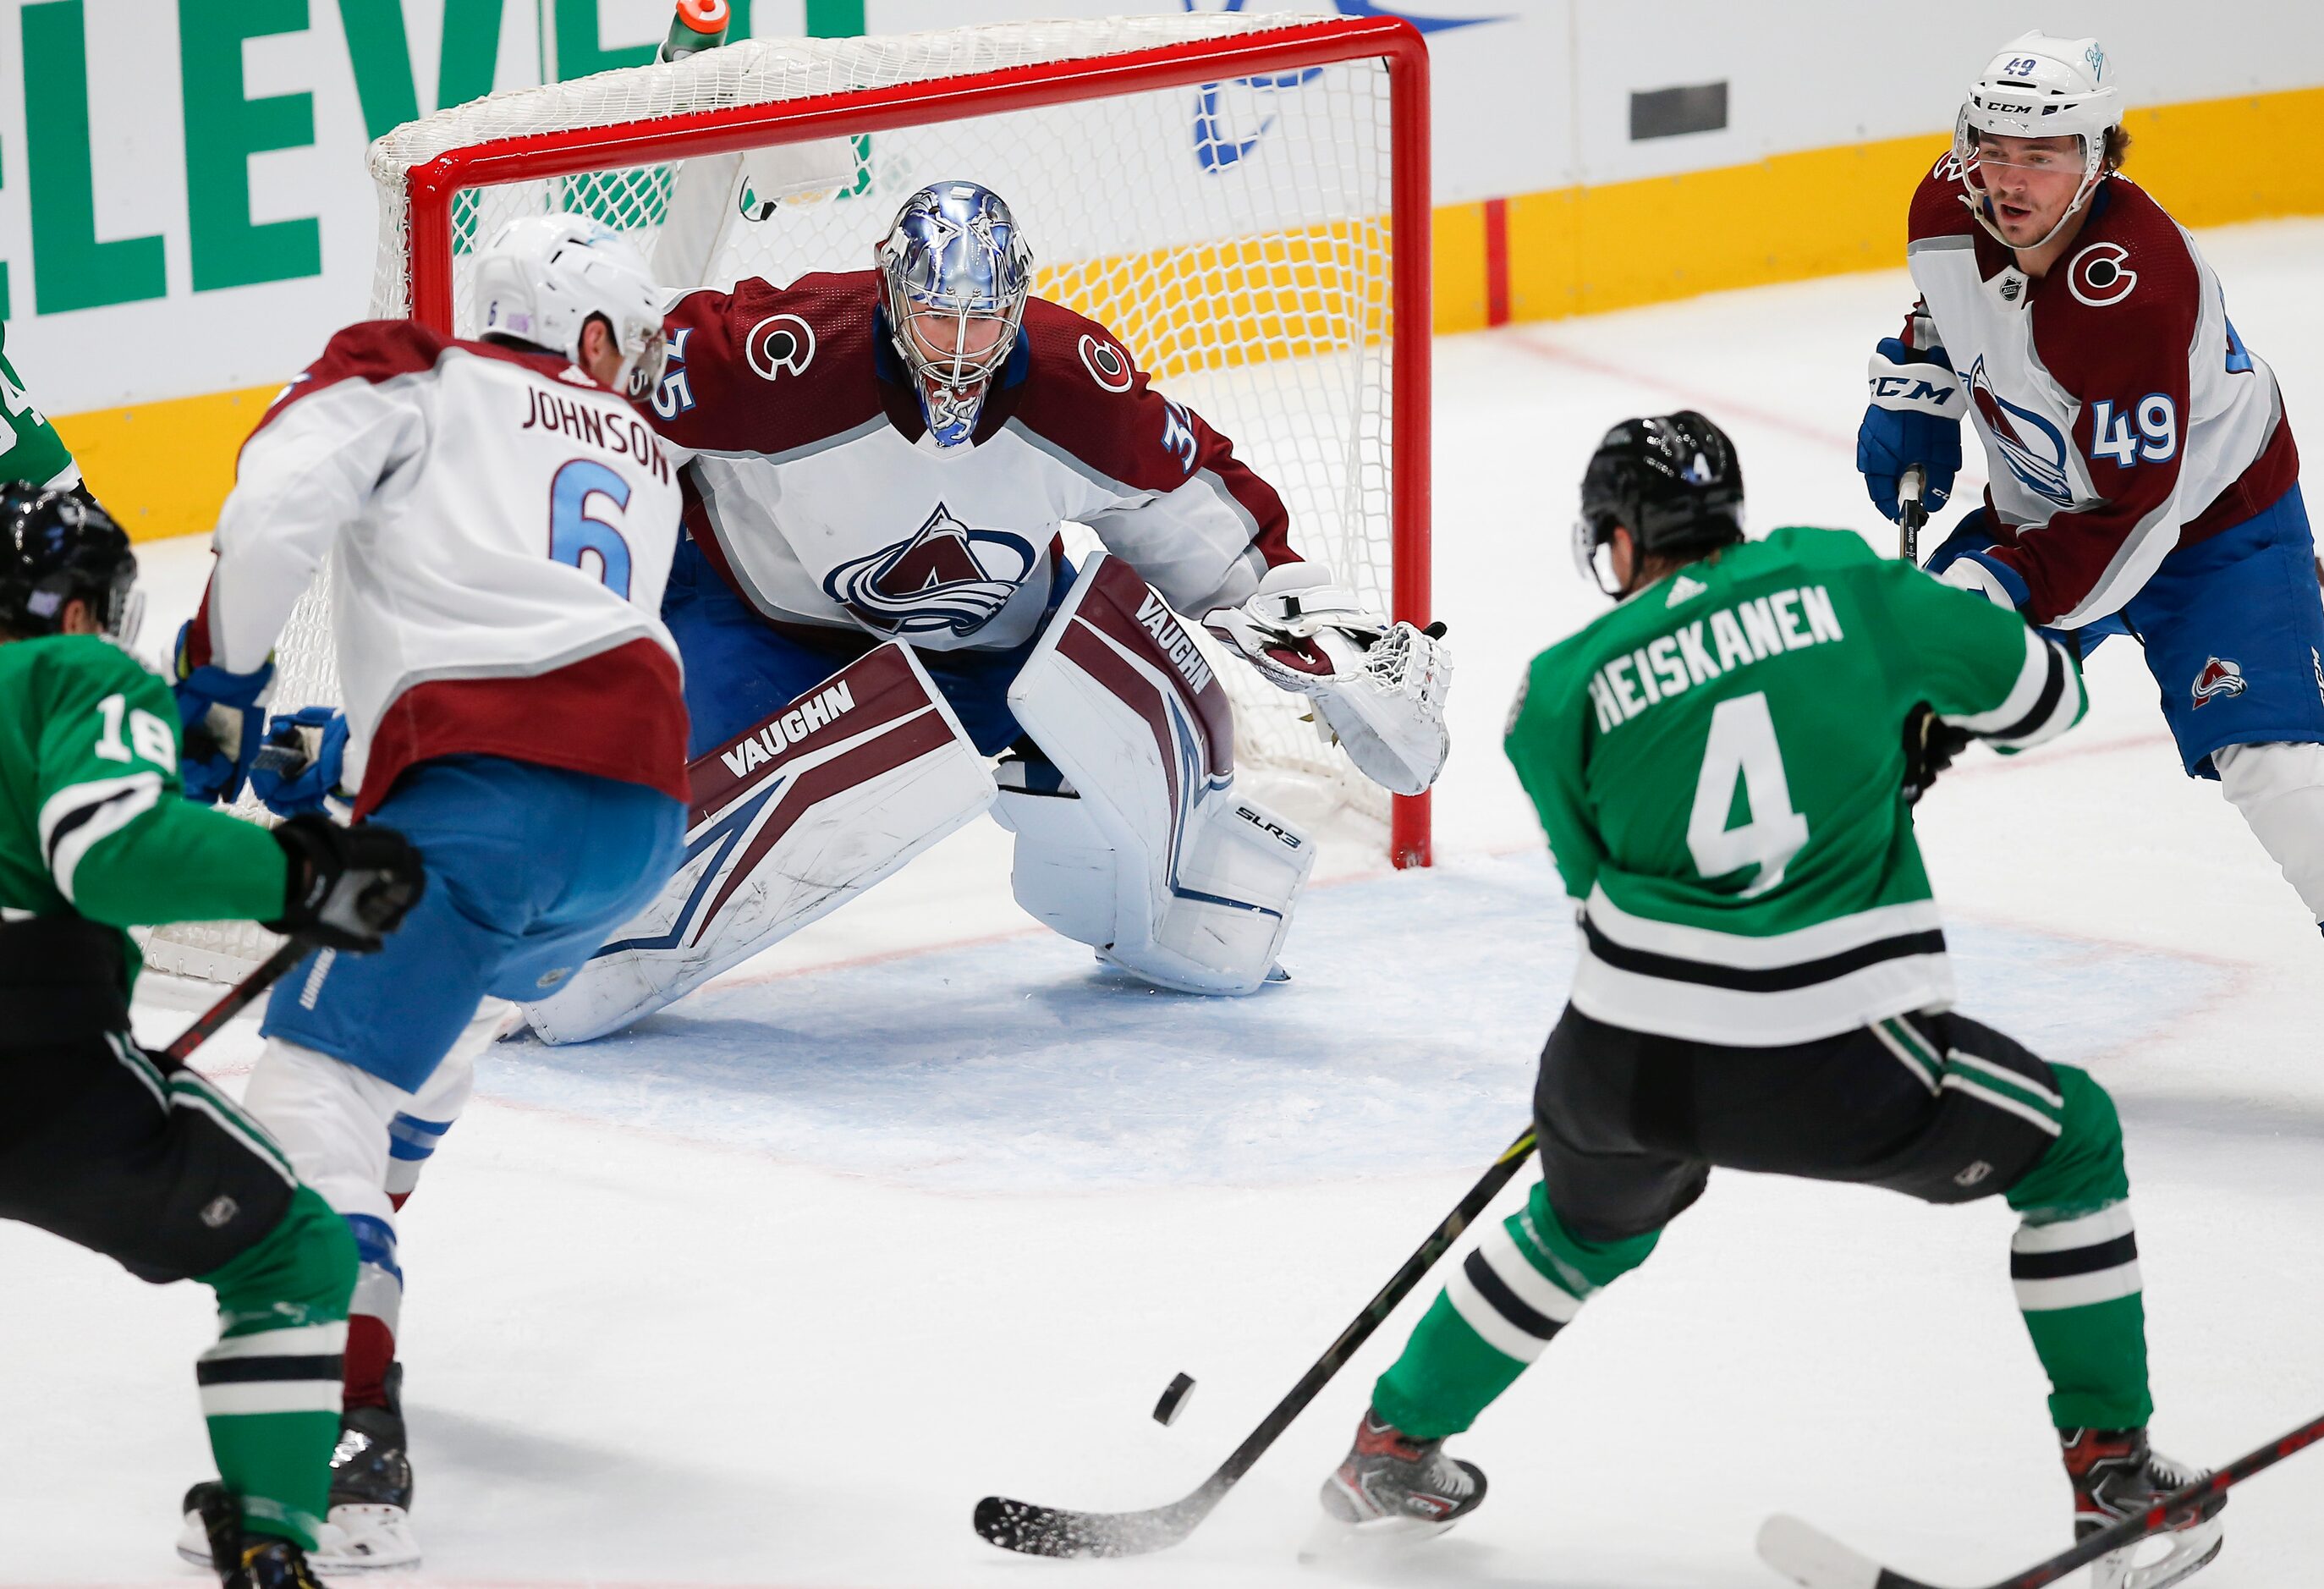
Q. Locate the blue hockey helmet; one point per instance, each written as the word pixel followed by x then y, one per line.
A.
pixel 956 273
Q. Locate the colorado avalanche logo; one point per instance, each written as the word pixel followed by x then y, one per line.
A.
pixel 2029 444
pixel 2219 677
pixel 1105 364
pixel 780 343
pixel 2099 276
pixel 946 577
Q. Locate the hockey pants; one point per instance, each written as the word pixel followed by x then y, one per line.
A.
pixel 157 1169
pixel 1936 1106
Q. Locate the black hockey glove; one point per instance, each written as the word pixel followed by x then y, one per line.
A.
pixel 1931 743
pixel 349 887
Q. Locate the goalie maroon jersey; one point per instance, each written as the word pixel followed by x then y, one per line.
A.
pixel 500 530
pixel 816 493
pixel 2122 417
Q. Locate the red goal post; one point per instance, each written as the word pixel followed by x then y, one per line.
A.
pixel 1265 58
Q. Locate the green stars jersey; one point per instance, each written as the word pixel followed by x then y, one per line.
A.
pixel 1718 764
pixel 30 448
pixel 91 817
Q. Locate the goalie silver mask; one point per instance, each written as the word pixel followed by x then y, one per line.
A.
pixel 955 275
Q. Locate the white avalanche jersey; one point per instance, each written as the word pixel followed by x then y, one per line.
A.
pixel 814 492
pixel 502 528
pixel 2122 417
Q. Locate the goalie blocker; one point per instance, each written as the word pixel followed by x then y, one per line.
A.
pixel 1130 836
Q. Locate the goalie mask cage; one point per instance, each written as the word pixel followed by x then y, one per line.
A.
pixel 1242 200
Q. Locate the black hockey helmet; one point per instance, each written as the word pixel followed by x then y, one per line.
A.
pixel 1672 480
pixel 56 545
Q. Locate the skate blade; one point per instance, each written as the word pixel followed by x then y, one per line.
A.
pixel 2192 1550
pixel 1331 1537
pixel 194 1543
pixel 365 1539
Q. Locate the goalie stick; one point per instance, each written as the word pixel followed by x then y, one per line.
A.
pixel 1046 1530
pixel 1812 1558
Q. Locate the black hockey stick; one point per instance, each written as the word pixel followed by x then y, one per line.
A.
pixel 1911 513
pixel 1045 1530
pixel 1809 1557
pixel 237 998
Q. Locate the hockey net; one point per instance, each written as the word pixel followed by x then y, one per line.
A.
pixel 1242 200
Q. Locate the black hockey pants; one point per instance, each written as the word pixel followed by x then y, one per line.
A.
pixel 97 1144
pixel 1631 1123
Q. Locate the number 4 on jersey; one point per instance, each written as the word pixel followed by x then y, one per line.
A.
pixel 1742 745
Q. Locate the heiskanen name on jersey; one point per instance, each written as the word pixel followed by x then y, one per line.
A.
pixel 1718 764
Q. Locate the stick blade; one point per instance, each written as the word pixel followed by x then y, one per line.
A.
pixel 1808 1555
pixel 1045 1530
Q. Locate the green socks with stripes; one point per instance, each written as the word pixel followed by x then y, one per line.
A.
pixel 271 1386
pixel 1524 1282
pixel 2074 1264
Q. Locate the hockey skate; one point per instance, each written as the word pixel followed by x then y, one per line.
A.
pixel 2116 1474
pixel 371 1494
pixel 244 1561
pixel 1393 1486
pixel 370 1522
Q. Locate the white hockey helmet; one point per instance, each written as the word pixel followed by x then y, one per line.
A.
pixel 543 277
pixel 2039 86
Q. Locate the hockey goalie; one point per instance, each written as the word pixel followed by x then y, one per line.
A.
pixel 873 601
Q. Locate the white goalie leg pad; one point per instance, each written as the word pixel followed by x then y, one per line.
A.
pixel 1146 853
pixel 790 822
pixel 2280 790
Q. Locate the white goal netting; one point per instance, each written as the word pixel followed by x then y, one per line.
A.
pixel 1233 234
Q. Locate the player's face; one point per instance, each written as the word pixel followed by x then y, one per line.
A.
pixel 943 338
pixel 2031 181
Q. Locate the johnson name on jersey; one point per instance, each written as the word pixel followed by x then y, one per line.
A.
pixel 501 530
pixel 815 492
pixel 2122 416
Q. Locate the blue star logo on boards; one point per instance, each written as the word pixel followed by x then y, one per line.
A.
pixel 1218 143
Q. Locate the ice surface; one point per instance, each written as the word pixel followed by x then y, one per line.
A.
pixel 926 1205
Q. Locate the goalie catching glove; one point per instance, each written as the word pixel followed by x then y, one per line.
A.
pixel 1379 687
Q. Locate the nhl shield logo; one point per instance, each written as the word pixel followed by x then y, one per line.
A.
pixel 944 577
pixel 2219 677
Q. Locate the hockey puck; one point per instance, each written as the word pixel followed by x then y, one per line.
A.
pixel 1174 1401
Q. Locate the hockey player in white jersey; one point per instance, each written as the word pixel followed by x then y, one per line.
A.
pixel 874 599
pixel 2144 477
pixel 499 521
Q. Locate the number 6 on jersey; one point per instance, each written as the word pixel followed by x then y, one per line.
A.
pixel 572 532
pixel 1742 744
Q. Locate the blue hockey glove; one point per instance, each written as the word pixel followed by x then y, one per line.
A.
pixel 299 768
pixel 220 720
pixel 1915 417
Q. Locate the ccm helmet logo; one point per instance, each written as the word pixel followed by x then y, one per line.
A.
pixel 1280 835
pixel 780 343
